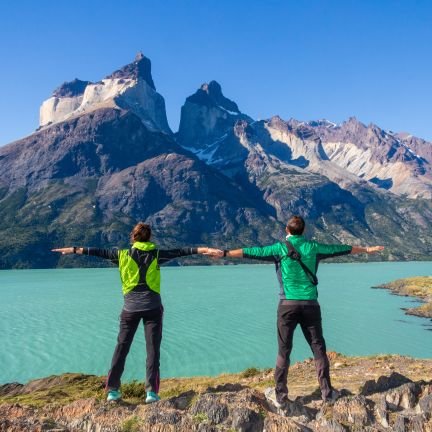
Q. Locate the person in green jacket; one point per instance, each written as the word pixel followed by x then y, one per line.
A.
pixel 139 268
pixel 296 262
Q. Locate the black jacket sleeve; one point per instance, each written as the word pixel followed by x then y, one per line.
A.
pixel 111 254
pixel 166 255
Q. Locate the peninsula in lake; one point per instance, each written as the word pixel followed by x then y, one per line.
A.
pixel 419 287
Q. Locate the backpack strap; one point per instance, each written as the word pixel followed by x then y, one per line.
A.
pixel 295 255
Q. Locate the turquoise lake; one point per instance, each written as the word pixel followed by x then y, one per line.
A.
pixel 217 319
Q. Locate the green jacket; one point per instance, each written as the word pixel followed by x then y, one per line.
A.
pixel 294 284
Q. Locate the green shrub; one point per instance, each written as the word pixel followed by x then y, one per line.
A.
pixel 132 424
pixel 200 418
pixel 250 372
pixel 133 389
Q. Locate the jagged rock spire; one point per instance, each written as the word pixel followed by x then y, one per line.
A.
pixel 139 69
pixel 139 56
pixel 210 94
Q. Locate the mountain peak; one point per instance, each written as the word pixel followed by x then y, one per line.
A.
pixel 352 121
pixel 277 120
pixel 210 94
pixel 207 115
pixel 213 89
pixel 139 56
pixel 130 88
pixel 139 69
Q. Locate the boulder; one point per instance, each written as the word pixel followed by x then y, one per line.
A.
pixel 181 401
pixel 168 417
pixel 210 406
pixel 382 412
pixel 404 397
pixel 425 405
pixel 405 423
pixel 10 389
pixel 355 410
pixel 383 383
pixel 247 420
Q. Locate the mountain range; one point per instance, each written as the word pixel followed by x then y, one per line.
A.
pixel 105 157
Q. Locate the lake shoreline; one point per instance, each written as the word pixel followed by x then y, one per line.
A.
pixel 419 288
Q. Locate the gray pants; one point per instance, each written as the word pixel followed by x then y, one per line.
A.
pixel 308 315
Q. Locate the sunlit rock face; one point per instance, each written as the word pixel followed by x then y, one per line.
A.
pixel 130 87
pixel 349 154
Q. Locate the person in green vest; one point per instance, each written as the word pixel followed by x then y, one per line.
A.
pixel 296 262
pixel 139 268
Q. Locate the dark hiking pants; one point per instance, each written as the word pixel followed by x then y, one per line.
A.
pixel 129 322
pixel 308 315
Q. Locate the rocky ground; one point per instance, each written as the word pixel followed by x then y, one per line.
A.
pixel 420 287
pixel 380 393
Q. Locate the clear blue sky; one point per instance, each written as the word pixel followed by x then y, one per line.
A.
pixel 303 59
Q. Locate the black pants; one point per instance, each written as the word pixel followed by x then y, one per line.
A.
pixel 129 322
pixel 309 318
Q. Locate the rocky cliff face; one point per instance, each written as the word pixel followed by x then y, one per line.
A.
pixel 419 146
pixel 206 116
pixel 131 88
pixel 379 157
pixel 104 157
pixel 351 153
pixel 396 396
pixel 367 152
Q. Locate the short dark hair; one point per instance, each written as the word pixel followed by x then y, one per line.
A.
pixel 141 232
pixel 296 225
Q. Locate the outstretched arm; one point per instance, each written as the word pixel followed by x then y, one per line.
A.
pixel 111 254
pixel 166 255
pixel 235 253
pixel 69 250
pixel 366 249
pixel 265 253
pixel 218 253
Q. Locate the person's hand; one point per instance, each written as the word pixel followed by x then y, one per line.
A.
pixel 214 253
pixel 64 251
pixel 374 249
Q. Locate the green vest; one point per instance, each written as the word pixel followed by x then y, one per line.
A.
pixel 139 267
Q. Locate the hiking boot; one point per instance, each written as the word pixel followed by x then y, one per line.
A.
pixel 113 396
pixel 152 397
pixel 270 394
pixel 334 396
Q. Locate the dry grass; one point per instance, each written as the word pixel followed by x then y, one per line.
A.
pixel 420 286
pixel 347 372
